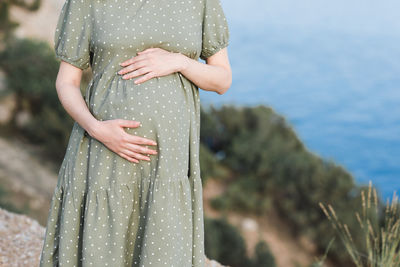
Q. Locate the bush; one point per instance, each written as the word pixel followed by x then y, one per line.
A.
pixel 272 169
pixel 224 243
pixel 31 70
pixel 263 256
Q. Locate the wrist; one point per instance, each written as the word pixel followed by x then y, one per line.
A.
pixel 183 62
pixel 93 128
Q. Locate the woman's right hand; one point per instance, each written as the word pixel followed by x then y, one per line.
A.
pixel 128 146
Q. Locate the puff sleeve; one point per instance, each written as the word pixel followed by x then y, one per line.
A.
pixel 215 29
pixel 72 35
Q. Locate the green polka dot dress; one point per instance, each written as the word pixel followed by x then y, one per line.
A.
pixel 106 210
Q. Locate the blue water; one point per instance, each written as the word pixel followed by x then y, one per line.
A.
pixel 339 89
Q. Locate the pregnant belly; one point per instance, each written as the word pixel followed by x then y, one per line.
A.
pixel 160 104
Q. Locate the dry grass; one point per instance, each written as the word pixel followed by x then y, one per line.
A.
pixel 381 240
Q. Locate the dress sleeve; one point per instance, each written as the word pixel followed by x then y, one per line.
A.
pixel 215 29
pixel 72 35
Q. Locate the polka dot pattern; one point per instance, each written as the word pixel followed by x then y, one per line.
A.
pixel 105 210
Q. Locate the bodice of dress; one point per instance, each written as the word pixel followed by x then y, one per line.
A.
pixel 119 33
pixel 103 33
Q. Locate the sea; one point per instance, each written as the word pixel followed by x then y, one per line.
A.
pixel 332 71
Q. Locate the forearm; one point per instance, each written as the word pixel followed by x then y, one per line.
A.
pixel 71 99
pixel 207 77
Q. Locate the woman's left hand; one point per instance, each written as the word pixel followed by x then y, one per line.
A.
pixel 152 62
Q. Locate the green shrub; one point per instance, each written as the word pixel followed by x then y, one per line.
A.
pixel 224 243
pixel 6 204
pixel 31 70
pixel 263 256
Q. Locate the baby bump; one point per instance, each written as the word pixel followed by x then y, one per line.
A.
pixel 161 105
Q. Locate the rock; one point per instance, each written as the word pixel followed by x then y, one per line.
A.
pixel 249 224
pixel 21 241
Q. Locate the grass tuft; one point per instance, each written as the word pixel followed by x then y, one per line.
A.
pixel 381 231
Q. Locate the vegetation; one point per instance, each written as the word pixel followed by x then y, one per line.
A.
pixel 31 68
pixel 380 231
pixel 262 256
pixel 7 26
pixel 273 171
pixel 49 124
pixel 8 205
pixel 210 167
pixel 224 243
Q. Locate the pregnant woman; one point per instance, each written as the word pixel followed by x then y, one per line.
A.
pixel 129 190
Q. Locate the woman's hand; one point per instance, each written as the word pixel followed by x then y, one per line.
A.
pixel 112 135
pixel 152 62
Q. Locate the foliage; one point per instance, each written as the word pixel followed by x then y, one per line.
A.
pixel 320 261
pixel 209 165
pixel 380 231
pixel 274 170
pixel 6 204
pixel 50 125
pixel 263 256
pixel 7 26
pixel 224 243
